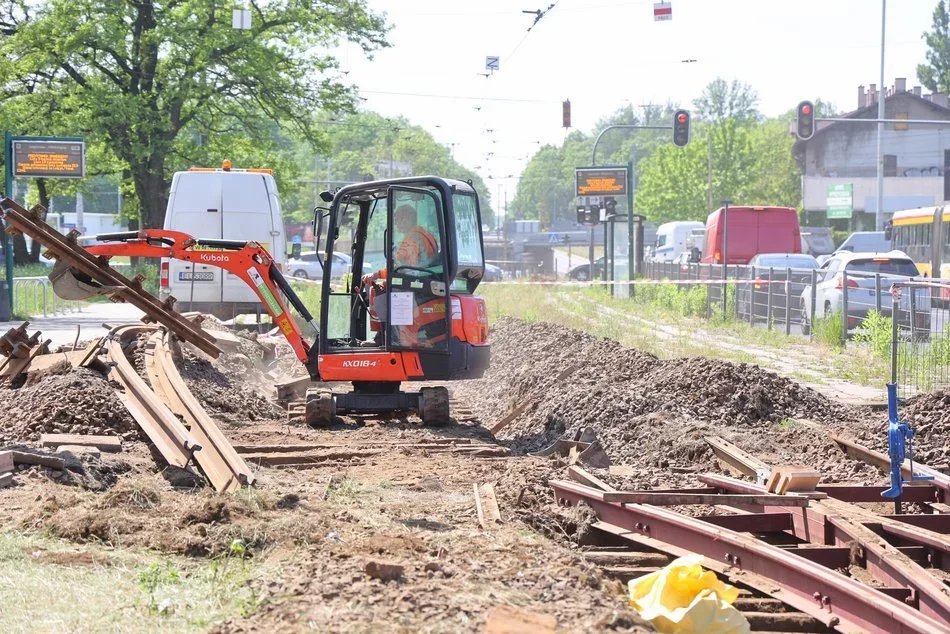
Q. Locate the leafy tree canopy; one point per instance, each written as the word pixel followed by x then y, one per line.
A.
pixel 935 74
pixel 150 79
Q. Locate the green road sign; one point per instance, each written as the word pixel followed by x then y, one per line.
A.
pixel 838 202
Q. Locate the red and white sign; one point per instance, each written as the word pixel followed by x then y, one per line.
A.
pixel 662 11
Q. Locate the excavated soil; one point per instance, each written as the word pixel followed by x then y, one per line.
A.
pixel 73 401
pixel 230 387
pixel 653 415
pixel 328 526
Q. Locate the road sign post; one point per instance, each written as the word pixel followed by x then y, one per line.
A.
pixel 37 157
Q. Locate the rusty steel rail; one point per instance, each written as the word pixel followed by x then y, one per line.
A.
pixel 66 248
pixel 838 601
pixel 176 444
pixel 226 470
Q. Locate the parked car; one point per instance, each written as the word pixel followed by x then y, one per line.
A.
pixel 794 269
pixel 863 242
pixel 493 273
pixel 751 230
pixel 581 272
pixel 309 265
pixel 861 270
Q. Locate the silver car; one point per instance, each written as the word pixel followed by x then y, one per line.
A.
pixel 309 265
pixel 861 271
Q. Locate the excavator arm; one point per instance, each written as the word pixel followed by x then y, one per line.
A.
pixel 248 260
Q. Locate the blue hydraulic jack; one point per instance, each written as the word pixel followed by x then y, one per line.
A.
pixel 899 447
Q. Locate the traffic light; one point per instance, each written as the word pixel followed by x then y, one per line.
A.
pixel 566 113
pixel 806 120
pixel 681 128
pixel 581 215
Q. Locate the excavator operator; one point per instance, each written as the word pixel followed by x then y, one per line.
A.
pixel 417 248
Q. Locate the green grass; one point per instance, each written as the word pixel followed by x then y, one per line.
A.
pixel 114 590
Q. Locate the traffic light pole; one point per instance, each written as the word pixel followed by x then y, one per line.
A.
pixel 623 126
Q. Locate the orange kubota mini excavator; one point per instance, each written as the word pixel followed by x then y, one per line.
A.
pixel 411 315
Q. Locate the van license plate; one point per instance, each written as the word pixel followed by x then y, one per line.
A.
pixel 197 276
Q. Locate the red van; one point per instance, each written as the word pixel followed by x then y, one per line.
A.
pixel 752 230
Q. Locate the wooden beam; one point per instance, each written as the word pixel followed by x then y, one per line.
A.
pixel 25 457
pixel 737 458
pixel 103 443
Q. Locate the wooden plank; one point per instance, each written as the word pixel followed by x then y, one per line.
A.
pixel 26 457
pixel 6 479
pixel 102 443
pixel 490 503
pixel 6 461
pixel 673 499
pixel 584 477
pixel 737 458
pixel 512 415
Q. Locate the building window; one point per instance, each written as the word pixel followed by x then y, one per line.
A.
pixel 901 126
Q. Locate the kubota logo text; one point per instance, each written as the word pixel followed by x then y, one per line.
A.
pixel 206 257
pixel 360 364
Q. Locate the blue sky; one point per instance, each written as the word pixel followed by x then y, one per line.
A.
pixel 603 54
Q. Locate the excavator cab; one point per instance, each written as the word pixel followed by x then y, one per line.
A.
pixel 405 310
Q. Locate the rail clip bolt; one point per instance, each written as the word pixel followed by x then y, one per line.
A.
pixel 817 596
pixel 826 600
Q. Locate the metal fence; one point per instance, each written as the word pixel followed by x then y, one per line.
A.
pixel 900 320
pixel 920 337
pixel 33 296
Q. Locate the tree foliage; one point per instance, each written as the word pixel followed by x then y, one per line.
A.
pixel 722 101
pixel 935 74
pixel 152 80
pixel 367 145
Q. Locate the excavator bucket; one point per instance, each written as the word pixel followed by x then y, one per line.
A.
pixel 68 283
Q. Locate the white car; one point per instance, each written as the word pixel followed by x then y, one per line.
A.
pixel 862 270
pixel 309 265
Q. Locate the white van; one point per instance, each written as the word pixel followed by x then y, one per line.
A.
pixel 672 238
pixel 228 204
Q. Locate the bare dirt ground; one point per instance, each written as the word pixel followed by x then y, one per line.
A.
pixel 378 499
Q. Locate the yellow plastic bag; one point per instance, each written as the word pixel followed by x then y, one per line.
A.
pixel 683 598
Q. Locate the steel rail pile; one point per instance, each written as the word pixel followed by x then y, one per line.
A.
pixel 66 248
pixel 792 550
pixel 155 409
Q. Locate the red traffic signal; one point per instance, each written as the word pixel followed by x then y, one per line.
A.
pixel 681 128
pixel 566 113
pixel 805 122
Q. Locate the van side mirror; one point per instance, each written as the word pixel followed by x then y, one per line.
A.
pixel 888 230
pixel 295 250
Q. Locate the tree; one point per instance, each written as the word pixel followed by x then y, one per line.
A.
pixel 721 101
pixel 935 74
pixel 750 165
pixel 140 74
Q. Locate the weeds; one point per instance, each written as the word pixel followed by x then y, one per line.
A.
pixel 829 330
pixel 345 487
pixel 876 332
pixel 153 577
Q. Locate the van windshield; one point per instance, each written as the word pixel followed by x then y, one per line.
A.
pixel 660 240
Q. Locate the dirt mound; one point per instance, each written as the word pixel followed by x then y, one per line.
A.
pixel 650 414
pixel 77 401
pixel 929 418
pixel 228 388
